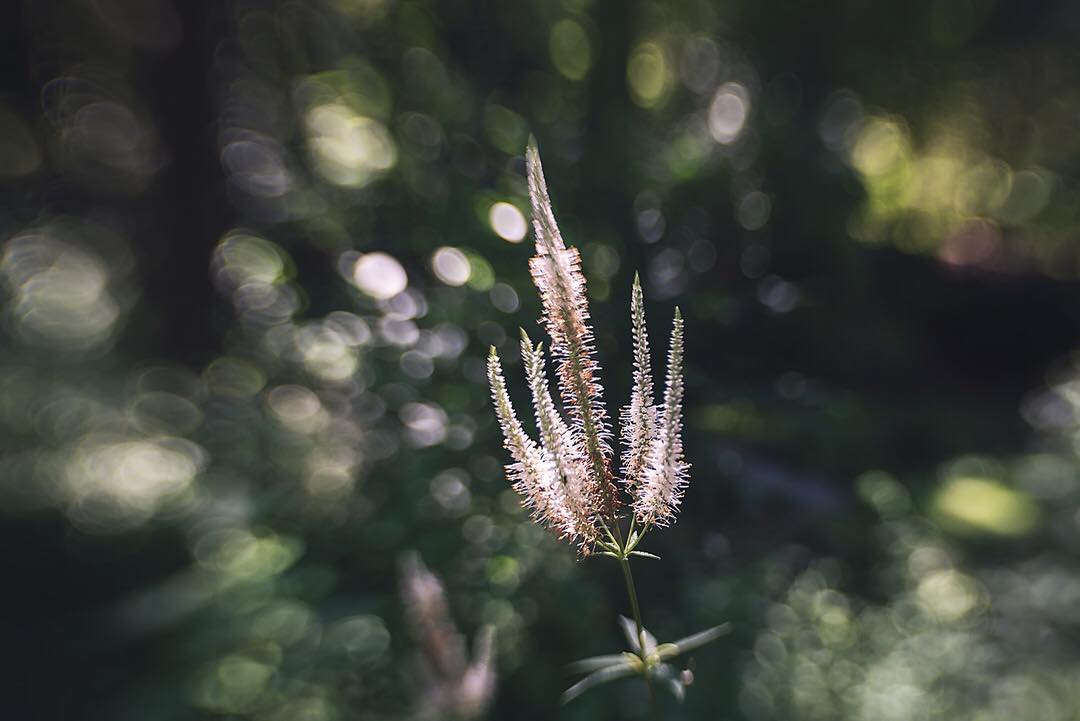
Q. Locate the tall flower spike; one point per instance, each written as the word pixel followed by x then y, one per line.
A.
pixel 532 473
pixel 556 270
pixel 567 478
pixel 665 476
pixel 638 418
pixel 582 496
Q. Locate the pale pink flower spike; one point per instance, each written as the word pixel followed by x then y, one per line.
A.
pixel 566 478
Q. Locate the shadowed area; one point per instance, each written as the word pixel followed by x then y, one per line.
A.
pixel 254 257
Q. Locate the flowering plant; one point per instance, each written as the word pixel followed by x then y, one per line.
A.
pixel 566 477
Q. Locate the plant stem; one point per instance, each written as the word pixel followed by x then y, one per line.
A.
pixel 629 578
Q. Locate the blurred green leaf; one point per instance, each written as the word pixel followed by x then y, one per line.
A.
pixel 594 663
pixel 604 675
pixel 693 641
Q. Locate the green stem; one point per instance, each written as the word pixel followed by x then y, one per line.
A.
pixel 629 578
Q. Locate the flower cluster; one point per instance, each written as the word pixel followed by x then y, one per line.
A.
pixel 566 478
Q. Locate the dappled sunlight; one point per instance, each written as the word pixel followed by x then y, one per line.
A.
pixel 944 194
pixel 379 275
pixel 451 266
pixel 728 112
pixel 62 291
pixel 507 222
pixel 955 636
pixel 348 149
pixel 648 74
pixel 111 485
pixel 985 505
pixel 571 53
pixel 254 258
pixel 107 142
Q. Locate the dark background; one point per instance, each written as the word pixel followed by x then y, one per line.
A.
pixel 853 347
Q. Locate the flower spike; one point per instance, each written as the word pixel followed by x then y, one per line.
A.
pixel 556 270
pixel 638 418
pixel 532 473
pixel 582 496
pixel 665 476
pixel 566 477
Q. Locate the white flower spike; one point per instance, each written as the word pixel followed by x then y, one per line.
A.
pixel 666 472
pixel 566 477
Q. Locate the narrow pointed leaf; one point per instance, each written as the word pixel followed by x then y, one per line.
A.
pixel 645 554
pixel 604 675
pixel 672 680
pixel 630 631
pixel 693 641
pixel 638 537
pixel 613 548
pixel 650 641
pixel 595 663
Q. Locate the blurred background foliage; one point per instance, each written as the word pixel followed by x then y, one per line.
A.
pixel 253 255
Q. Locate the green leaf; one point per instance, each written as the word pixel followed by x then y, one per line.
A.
pixel 672 680
pixel 630 631
pixel 645 554
pixel 611 543
pixel 604 675
pixel 595 663
pixel 693 641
